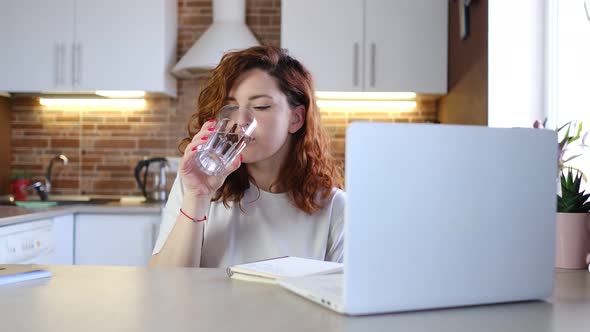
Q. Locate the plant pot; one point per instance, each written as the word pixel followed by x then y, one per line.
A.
pixel 19 189
pixel 572 240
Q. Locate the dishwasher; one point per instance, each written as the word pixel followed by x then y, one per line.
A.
pixel 27 243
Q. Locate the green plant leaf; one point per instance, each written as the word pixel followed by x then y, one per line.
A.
pixel 19 174
pixel 572 199
pixel 577 181
pixel 567 132
pixel 567 124
pixel 582 208
pixel 570 180
pixel 572 157
pixel 578 131
pixel 585 207
pixel 579 171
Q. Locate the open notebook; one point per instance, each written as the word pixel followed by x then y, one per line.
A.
pixel 268 271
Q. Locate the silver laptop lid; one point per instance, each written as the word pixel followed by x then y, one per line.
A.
pixel 445 215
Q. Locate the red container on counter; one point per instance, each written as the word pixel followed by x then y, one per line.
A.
pixel 19 189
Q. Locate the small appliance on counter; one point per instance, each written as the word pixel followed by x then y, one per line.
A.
pixel 157 193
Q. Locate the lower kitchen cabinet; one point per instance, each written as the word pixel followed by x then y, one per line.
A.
pixel 63 232
pixel 115 239
pixel 38 241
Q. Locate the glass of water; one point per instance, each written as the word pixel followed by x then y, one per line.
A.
pixel 233 131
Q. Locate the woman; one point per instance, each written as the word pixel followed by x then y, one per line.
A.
pixel 282 197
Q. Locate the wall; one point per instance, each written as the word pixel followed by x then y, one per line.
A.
pixel 104 146
pixel 5 151
pixel 516 63
pixel 466 102
pixel 568 74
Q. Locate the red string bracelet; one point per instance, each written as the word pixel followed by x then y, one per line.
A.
pixel 192 219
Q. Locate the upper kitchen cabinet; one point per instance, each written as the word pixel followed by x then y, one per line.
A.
pixel 369 45
pixel 33 42
pixel 327 37
pixel 84 45
pixel 125 45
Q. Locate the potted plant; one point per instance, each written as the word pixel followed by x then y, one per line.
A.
pixel 573 227
pixel 19 180
pixel 569 148
pixel 573 218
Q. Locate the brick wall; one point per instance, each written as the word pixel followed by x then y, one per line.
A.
pixel 104 146
pixel 5 154
pixel 335 121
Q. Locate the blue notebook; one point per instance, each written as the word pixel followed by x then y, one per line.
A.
pixel 12 273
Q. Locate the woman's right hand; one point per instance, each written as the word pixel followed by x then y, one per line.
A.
pixel 195 181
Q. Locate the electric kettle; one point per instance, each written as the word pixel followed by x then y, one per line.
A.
pixel 158 191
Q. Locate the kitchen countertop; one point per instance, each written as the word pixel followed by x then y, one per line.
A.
pixel 92 298
pixel 14 215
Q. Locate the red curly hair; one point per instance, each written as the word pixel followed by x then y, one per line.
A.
pixel 310 172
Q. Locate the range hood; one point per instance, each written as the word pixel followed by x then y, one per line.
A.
pixel 228 32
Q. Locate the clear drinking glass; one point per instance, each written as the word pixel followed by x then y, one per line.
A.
pixel 233 131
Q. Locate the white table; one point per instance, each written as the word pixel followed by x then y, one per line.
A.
pixel 86 298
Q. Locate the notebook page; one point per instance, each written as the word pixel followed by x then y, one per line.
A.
pixel 289 267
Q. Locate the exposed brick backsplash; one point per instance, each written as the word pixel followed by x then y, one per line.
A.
pixel 103 147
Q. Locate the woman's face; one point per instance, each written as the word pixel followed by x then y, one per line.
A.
pixel 257 90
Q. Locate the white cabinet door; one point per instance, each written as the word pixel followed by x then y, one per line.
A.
pixel 35 44
pixel 370 45
pixel 406 46
pixel 63 229
pixel 327 37
pixel 62 232
pixel 83 45
pixel 120 45
pixel 115 239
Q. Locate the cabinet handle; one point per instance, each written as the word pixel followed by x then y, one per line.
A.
pixel 373 55
pixel 76 63
pixel 62 64
pixel 59 63
pixel 57 57
pixel 355 69
pixel 586 9
pixel 80 56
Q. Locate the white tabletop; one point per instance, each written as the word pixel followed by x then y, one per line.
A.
pixel 82 298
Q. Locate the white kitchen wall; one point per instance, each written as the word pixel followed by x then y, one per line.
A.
pixel 516 47
pixel 569 67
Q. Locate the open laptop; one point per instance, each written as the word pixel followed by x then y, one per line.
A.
pixel 442 216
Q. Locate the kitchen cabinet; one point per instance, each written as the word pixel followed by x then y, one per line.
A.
pixel 33 44
pixel 63 239
pixel 369 45
pixel 38 241
pixel 84 45
pixel 115 239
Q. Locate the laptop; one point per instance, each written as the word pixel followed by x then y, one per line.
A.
pixel 442 216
